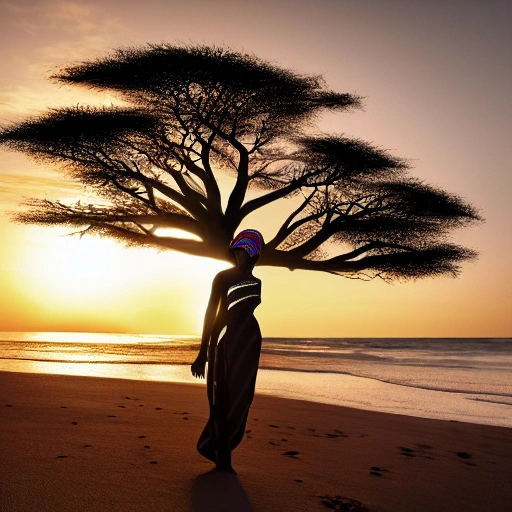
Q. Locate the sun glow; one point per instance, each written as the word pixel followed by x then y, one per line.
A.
pixel 71 267
pixel 103 285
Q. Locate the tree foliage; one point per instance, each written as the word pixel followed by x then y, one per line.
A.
pixel 193 112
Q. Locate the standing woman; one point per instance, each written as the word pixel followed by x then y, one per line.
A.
pixel 232 360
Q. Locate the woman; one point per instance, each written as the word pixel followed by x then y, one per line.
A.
pixel 232 361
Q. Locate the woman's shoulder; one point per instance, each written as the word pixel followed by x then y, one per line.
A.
pixel 224 279
pixel 230 277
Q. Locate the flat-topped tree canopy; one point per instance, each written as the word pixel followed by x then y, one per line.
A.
pixel 194 111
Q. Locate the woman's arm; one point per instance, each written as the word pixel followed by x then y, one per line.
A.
pixel 209 321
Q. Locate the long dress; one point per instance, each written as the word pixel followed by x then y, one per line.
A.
pixel 231 377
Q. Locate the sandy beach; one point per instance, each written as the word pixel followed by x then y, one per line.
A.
pixel 92 444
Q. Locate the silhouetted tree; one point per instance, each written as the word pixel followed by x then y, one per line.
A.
pixel 192 112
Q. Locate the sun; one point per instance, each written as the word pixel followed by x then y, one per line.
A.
pixel 69 267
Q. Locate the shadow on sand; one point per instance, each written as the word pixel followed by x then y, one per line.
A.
pixel 219 491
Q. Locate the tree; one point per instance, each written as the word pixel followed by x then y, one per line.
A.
pixel 192 112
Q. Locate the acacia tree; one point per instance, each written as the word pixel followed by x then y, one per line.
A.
pixel 193 112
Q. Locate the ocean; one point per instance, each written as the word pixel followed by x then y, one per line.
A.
pixel 457 379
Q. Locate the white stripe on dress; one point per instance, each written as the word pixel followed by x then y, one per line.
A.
pixel 240 300
pixel 242 285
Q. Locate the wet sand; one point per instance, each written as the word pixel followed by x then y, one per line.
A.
pixel 93 444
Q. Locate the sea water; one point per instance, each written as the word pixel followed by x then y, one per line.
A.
pixel 459 379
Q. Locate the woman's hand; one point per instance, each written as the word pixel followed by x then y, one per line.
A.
pixel 198 366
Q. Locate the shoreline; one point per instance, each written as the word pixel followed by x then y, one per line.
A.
pixel 84 443
pixel 342 389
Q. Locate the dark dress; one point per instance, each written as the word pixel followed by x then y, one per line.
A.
pixel 231 377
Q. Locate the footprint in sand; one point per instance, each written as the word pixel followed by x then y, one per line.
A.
pixel 147 447
pixel 407 452
pixel 292 454
pixel 158 408
pixel 122 406
pixel 111 416
pixel 142 437
pixel 342 504
pixel 274 426
pixel 74 423
pixel 298 480
pixel 61 457
pixel 330 435
pixel 87 445
pixel 63 406
pixel 273 443
pixel 377 471
pixel 466 456
pixel 153 462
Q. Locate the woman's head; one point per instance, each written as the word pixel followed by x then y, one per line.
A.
pixel 249 240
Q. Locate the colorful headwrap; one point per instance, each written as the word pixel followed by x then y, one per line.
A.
pixel 250 240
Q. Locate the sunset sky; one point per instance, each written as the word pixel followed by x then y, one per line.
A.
pixel 437 80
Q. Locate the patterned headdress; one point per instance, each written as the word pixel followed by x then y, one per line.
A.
pixel 250 240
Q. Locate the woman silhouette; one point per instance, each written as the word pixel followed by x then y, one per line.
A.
pixel 232 360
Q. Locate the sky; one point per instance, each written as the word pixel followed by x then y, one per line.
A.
pixel 436 78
